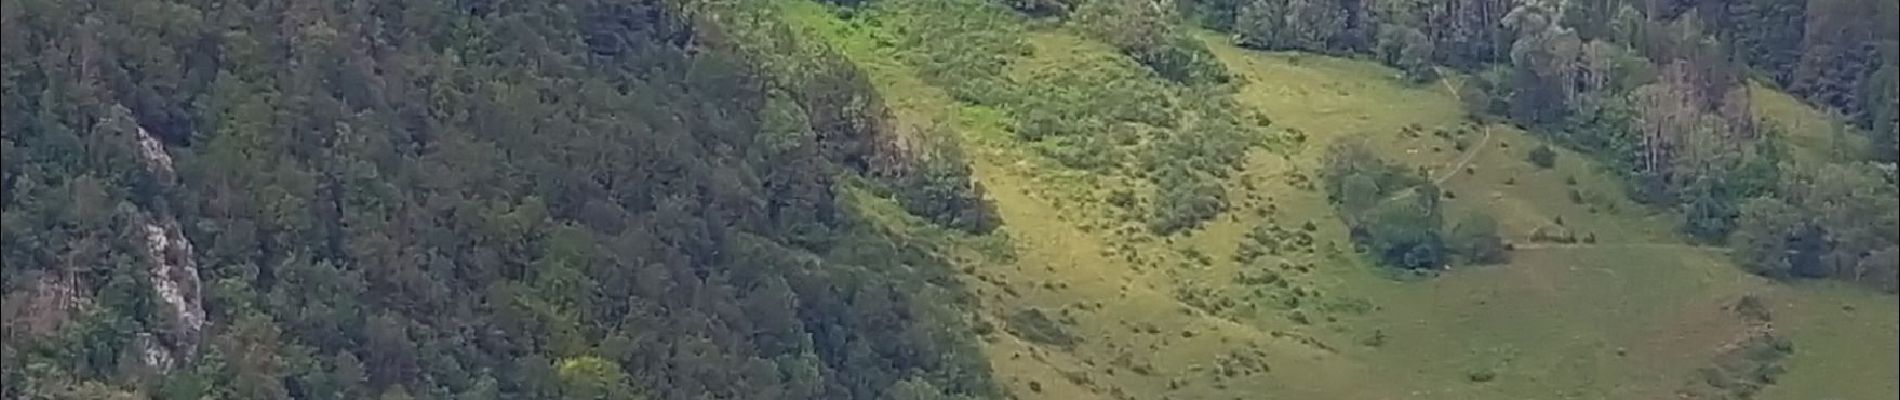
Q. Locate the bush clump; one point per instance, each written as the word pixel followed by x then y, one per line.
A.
pixel 1543 157
pixel 1035 326
pixel 1394 213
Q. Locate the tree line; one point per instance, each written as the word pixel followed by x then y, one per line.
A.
pixel 1657 89
pixel 1839 55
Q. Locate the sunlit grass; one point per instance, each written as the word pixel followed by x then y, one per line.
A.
pixel 1631 317
pixel 1813 136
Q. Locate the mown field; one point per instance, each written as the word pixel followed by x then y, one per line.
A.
pixel 1075 300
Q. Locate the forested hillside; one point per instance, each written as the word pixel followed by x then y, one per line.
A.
pixel 470 200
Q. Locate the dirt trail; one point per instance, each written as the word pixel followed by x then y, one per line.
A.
pixel 1462 161
pixel 1643 246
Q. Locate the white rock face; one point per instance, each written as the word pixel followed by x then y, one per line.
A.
pixel 151 150
pixel 175 275
pixel 154 152
pixel 174 272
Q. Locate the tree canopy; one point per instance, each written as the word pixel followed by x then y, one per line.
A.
pixel 428 199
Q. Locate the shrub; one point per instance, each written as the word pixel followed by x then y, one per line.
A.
pixel 1185 202
pixel 1376 339
pixel 1404 233
pixel 1481 376
pixel 1079 152
pixel 1180 58
pixel 940 188
pixel 1751 307
pixel 1543 157
pixel 1476 240
pixel 1299 317
pixel 1035 326
pixel 1121 198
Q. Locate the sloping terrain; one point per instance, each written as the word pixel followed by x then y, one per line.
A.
pixel 948 199
pixel 1079 303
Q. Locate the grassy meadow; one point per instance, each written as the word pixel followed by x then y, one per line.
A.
pixel 1076 301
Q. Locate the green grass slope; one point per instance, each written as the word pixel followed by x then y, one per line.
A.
pixel 1812 136
pixel 1552 321
pixel 1075 301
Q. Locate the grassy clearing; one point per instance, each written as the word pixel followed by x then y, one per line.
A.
pixel 1551 321
pixel 1629 317
pixel 1554 321
pixel 1812 135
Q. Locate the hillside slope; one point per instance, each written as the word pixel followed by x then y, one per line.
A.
pixel 1088 305
pixel 945 200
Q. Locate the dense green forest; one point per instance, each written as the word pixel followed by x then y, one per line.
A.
pixel 439 199
pixel 651 199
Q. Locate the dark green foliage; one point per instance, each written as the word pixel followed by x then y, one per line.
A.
pixel 421 199
pixel 1043 8
pixel 1394 213
pixel 1404 233
pixel 1464 33
pixel 1481 376
pixel 1185 199
pixel 1767 34
pixel 1085 119
pixel 1751 308
pixel 1183 59
pixel 1122 198
pixel 1149 34
pixel 1475 239
pixel 1542 156
pixel 1035 326
pixel 1312 25
pixel 939 187
pixel 1848 52
pixel 1709 209
pixel 1882 116
pixel 1216 14
pixel 1837 221
pixel 1745 369
pixel 1188 165
pixel 959 45
pixel 1354 176
pixel 1544 60
pixel 1474 95
pixel 1408 49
